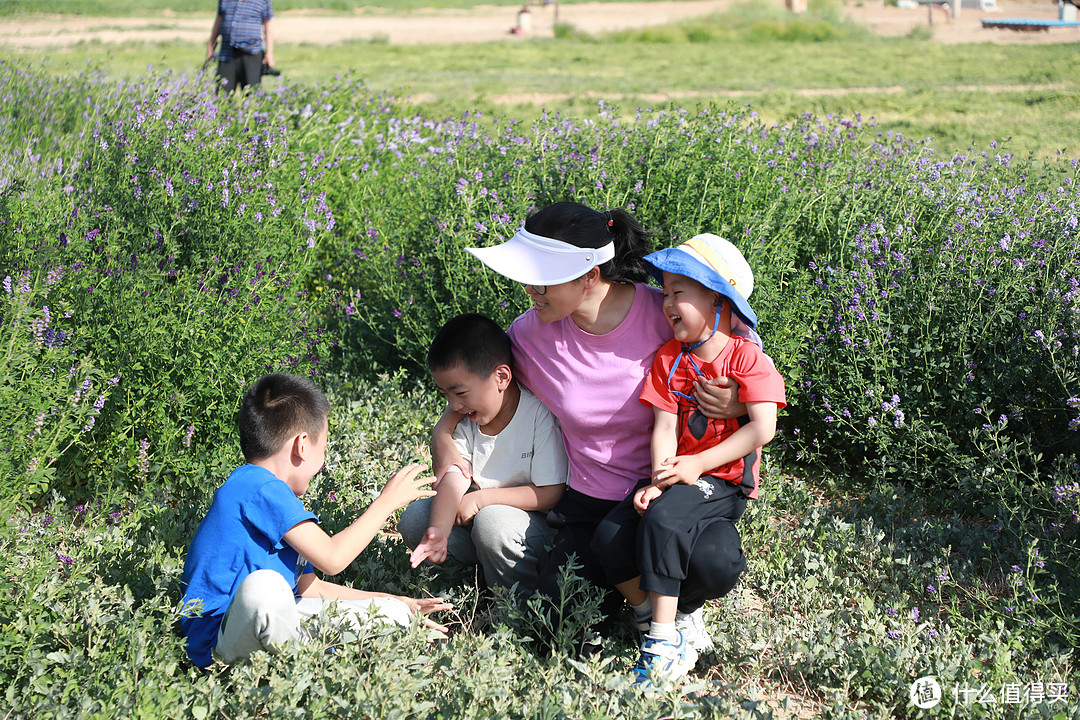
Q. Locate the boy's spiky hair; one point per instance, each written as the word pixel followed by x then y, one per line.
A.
pixel 276 408
pixel 473 341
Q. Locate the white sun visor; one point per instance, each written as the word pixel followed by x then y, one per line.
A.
pixel 537 260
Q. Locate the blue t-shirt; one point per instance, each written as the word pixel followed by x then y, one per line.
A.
pixel 240 534
pixel 242 25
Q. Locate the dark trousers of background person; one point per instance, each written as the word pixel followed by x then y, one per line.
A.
pixel 686 545
pixel 244 69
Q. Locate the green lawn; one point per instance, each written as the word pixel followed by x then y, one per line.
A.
pixel 957 95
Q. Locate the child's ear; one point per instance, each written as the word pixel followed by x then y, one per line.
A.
pixel 300 445
pixel 503 376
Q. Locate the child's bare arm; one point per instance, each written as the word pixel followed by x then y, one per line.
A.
pixel 754 434
pixel 441 519
pixel 526 497
pixel 444 507
pixel 333 553
pixel 313 587
pixel 444 451
pixel 665 443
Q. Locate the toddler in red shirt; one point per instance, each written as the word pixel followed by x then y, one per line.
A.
pixel 703 470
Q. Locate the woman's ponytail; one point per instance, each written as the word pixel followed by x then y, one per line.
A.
pixel 581 226
pixel 632 243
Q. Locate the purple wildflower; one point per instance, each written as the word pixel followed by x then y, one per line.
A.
pixel 144 458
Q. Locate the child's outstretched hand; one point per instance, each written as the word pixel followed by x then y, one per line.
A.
pixel 685 469
pixel 432 547
pixel 426 606
pixel 405 486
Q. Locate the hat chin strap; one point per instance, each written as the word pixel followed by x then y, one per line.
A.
pixel 688 351
pixel 715 326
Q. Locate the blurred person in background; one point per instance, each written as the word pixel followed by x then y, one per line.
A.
pixel 247 43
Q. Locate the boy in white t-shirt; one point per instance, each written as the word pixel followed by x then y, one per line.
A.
pixel 493 512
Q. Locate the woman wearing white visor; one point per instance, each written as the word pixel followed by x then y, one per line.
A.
pixel 584 348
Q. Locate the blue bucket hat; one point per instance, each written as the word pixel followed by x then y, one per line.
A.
pixel 715 263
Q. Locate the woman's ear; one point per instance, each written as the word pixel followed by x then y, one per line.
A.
pixel 591 278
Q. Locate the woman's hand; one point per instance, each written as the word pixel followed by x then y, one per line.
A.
pixel 718 398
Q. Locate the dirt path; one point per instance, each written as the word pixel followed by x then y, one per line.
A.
pixel 489 23
pixel 541 99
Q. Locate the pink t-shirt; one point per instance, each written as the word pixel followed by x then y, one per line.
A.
pixel 592 383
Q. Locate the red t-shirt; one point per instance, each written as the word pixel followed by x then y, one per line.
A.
pixel 743 361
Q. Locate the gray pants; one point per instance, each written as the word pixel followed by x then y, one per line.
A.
pixel 264 614
pixel 507 542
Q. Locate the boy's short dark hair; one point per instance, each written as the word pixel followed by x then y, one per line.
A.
pixel 472 341
pixel 276 408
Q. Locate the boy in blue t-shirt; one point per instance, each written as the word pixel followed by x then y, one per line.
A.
pixel 248 577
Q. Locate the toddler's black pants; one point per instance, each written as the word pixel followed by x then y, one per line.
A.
pixel 686 545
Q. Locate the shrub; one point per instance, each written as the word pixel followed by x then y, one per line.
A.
pixel 944 323
pixel 49 401
pixel 172 231
pixel 402 269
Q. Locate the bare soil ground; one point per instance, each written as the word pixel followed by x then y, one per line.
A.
pixel 490 23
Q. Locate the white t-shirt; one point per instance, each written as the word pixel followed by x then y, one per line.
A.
pixel 528 450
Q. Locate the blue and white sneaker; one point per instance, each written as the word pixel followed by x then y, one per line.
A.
pixel 663 661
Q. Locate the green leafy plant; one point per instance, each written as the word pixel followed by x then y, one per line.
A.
pixel 50 400
pixel 564 625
